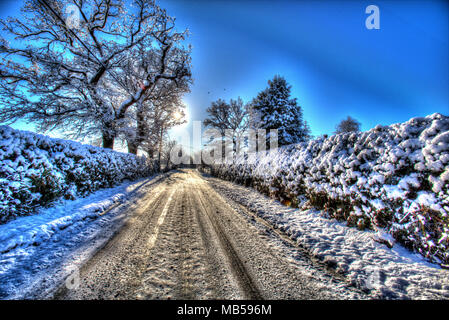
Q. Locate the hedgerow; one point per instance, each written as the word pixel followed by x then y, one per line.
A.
pixel 35 170
pixel 393 178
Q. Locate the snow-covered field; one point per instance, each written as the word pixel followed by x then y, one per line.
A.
pixel 392 179
pixel 35 170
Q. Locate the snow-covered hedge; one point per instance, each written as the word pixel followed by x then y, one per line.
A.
pixel 393 178
pixel 36 169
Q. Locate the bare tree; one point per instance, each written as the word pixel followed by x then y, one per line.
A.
pixel 158 109
pixel 238 122
pixel 348 125
pixel 168 147
pixel 60 77
pixel 230 119
pixel 163 76
pixel 218 116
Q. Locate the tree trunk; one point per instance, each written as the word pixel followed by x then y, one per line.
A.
pixel 160 146
pixel 132 147
pixel 108 141
pixel 141 132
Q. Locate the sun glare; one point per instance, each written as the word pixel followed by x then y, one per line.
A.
pixel 181 116
pixel 177 116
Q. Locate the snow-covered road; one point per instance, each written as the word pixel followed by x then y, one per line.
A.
pixel 181 235
pixel 174 238
pixel 183 241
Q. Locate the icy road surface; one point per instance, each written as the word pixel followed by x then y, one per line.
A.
pixel 183 240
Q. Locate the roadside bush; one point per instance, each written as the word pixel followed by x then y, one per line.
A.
pixel 394 178
pixel 35 170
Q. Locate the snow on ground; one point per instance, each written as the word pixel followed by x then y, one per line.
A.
pixel 371 266
pixel 31 246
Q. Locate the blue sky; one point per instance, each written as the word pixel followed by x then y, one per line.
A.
pixel 335 65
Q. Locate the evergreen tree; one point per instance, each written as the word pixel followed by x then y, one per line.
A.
pixel 275 109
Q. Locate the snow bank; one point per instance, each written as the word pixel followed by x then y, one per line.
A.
pixel 381 272
pixel 394 179
pixel 47 222
pixel 36 169
pixel 39 251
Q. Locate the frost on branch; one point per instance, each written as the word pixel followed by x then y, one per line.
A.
pixel 76 78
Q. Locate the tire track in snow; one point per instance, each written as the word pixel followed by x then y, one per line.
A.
pixel 160 221
pixel 183 240
pixel 242 276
